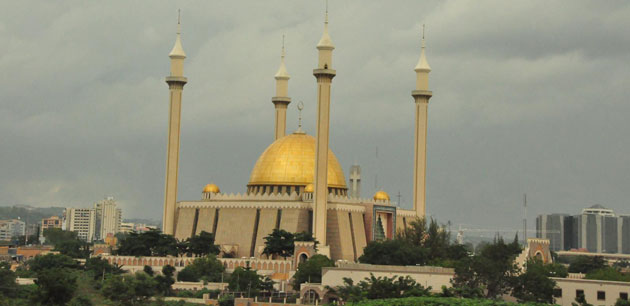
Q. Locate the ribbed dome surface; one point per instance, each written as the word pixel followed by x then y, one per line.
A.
pixel 290 160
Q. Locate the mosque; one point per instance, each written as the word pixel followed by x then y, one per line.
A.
pixel 297 183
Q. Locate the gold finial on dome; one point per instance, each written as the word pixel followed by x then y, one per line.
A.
pixel 309 188
pixel 211 188
pixel 381 196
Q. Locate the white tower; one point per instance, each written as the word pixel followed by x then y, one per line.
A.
pixel 324 74
pixel 281 100
pixel 176 82
pixel 421 97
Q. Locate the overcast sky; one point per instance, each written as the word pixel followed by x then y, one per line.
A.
pixel 528 97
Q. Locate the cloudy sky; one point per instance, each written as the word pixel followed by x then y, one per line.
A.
pixel 529 97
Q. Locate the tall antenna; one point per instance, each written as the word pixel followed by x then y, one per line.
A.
pixel 398 196
pixel 525 218
pixel 376 175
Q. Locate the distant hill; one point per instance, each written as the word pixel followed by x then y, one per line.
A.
pixel 29 214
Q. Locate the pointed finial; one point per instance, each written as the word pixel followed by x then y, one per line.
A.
pixel 179 21
pixel 326 21
pixel 423 65
pixel 178 50
pixel 423 43
pixel 300 107
pixel 282 46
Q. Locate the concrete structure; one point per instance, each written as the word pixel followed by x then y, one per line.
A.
pixel 434 277
pixel 324 75
pixel 281 100
pixel 355 181
pixel 596 292
pixel 421 97
pixel 297 183
pixel 10 229
pixel 108 218
pixel 52 222
pixel 127 227
pixel 597 230
pixel 176 82
pixel 82 221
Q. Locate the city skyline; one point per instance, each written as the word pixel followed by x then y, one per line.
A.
pixel 517 109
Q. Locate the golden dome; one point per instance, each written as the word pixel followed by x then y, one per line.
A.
pixel 211 188
pixel 309 188
pixel 381 196
pixel 290 161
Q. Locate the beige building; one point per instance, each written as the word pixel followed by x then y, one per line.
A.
pixel 297 183
pixel 596 292
pixel 52 222
pixel 82 221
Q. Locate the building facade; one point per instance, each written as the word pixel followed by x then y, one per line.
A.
pixel 52 222
pixel 12 228
pixel 108 218
pixel 82 221
pixel 597 229
pixel 297 184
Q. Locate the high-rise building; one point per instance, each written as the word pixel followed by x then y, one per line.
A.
pixel 82 221
pixel 12 228
pixel 552 227
pixel 596 230
pixel 108 218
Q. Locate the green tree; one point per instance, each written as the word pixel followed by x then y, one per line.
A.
pixel 279 243
pixel 609 274
pixel 202 244
pixel 80 301
pixel 311 270
pixel 493 269
pixel 149 243
pixel 165 281
pixel 622 302
pixel 207 268
pixel 55 286
pixel 130 289
pixel 99 267
pixel 394 252
pixel 586 264
pixel 535 285
pixel 148 270
pixel 8 287
pixel 74 248
pixel 49 261
pixel 249 282
pixel 348 292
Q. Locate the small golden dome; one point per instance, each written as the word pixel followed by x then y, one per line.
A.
pixel 290 161
pixel 309 188
pixel 211 188
pixel 381 196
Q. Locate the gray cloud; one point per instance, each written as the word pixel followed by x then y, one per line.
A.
pixel 529 97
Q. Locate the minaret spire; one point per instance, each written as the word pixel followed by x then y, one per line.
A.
pixel 324 74
pixel 281 100
pixel 421 97
pixel 176 82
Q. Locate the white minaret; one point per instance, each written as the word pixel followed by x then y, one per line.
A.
pixel 421 96
pixel 324 74
pixel 176 82
pixel 281 100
